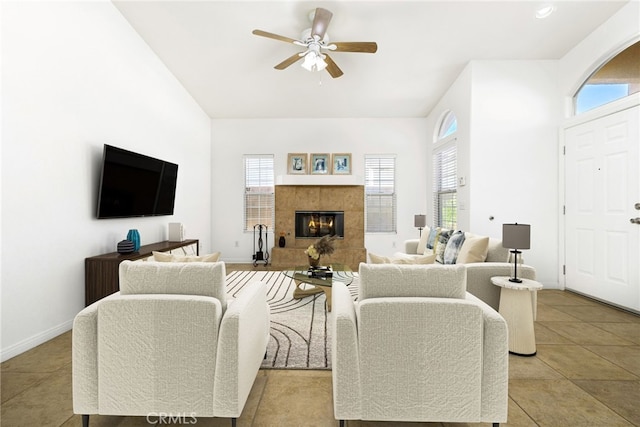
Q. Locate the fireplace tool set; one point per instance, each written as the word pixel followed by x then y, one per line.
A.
pixel 260 242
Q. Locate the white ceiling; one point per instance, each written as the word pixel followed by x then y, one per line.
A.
pixel 422 48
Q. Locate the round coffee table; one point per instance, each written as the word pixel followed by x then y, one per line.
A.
pixel 303 274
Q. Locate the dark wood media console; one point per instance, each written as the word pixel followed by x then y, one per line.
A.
pixel 101 271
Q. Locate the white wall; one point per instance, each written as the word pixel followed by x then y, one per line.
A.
pixel 507 152
pixel 233 138
pixel 514 153
pixel 74 77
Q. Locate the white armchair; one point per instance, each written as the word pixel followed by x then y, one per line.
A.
pixel 169 343
pixel 417 347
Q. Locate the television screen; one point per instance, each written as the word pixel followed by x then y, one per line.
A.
pixel 133 185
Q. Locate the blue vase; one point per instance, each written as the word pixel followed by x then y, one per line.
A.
pixel 134 236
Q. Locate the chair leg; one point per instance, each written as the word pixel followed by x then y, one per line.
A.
pixel 85 421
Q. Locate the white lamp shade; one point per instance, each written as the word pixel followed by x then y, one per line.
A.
pixel 516 236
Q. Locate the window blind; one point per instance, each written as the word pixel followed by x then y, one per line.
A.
pixel 259 191
pixel 380 194
pixel 445 187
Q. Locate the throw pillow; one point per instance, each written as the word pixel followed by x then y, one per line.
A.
pixel 453 247
pixel 432 240
pixel 474 249
pixel 443 238
pixel 165 257
pixel 422 244
pixel 496 252
pixel 378 259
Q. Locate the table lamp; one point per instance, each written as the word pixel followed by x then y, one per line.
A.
pixel 516 236
pixel 419 221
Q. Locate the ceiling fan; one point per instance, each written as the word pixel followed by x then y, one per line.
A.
pixel 316 42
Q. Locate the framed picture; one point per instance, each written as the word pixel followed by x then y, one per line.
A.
pixel 320 164
pixel 297 163
pixel 341 163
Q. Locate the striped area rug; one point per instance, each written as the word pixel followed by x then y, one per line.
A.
pixel 300 335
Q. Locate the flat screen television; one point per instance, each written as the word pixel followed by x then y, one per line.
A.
pixel 133 185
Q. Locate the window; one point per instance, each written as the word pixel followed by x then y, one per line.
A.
pixel 259 191
pixel 445 174
pixel 380 194
pixel 448 126
pixel 616 79
pixel 445 185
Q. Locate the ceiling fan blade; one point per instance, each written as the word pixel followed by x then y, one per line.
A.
pixel 290 60
pixel 332 67
pixel 321 21
pixel 361 47
pixel 273 36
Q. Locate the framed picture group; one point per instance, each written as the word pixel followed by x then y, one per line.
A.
pixel 319 164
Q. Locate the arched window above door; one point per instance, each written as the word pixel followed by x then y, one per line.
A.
pixel 617 78
pixel 448 126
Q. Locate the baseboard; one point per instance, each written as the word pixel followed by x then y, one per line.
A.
pixel 34 341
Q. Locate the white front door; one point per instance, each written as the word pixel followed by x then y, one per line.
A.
pixel 602 188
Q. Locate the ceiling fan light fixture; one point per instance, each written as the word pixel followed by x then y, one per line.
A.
pixel 313 62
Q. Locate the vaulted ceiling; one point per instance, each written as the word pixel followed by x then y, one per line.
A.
pixel 422 48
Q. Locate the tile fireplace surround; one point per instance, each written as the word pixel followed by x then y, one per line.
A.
pixel 292 198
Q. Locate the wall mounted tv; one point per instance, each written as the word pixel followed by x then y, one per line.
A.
pixel 133 185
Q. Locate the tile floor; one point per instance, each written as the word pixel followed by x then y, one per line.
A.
pixel 586 373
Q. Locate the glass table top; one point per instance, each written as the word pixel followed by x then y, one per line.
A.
pixel 303 273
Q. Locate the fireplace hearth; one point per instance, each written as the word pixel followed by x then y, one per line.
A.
pixel 315 224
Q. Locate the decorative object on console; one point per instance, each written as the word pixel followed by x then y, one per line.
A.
pixel 516 236
pixel 419 222
pixel 176 232
pixel 322 246
pixel 125 247
pixel 341 163
pixel 282 241
pixel 134 236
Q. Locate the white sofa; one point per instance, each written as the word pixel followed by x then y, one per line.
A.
pixel 481 266
pixel 417 347
pixel 169 343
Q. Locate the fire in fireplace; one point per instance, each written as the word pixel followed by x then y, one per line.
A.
pixel 314 224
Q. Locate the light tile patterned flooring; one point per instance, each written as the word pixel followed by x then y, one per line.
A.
pixel 586 373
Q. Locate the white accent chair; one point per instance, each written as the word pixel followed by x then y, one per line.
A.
pixel 169 344
pixel 417 347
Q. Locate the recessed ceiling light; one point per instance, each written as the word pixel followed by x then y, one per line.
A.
pixel 545 11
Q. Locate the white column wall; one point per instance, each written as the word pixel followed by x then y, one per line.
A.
pixel 507 151
pixel 514 152
pixel 75 76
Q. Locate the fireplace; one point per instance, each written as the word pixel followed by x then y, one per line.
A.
pixel 314 224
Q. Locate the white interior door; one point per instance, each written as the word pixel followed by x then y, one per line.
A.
pixel 602 188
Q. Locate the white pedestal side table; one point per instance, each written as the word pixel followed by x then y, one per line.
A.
pixel 517 306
